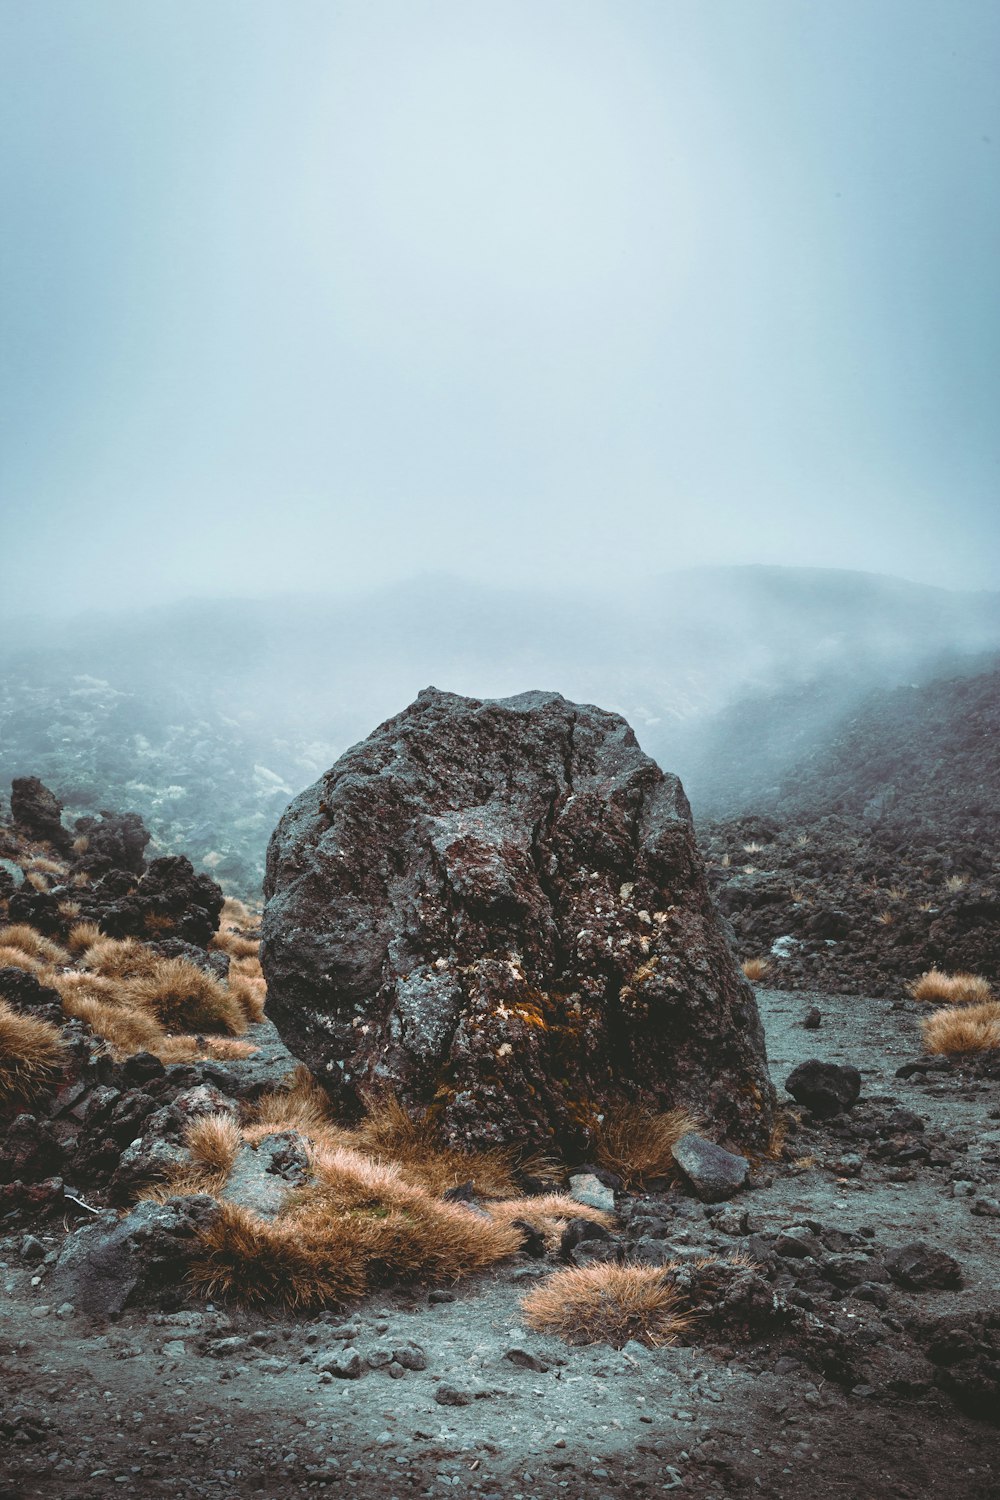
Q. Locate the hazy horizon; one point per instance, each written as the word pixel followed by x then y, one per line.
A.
pixel 322 296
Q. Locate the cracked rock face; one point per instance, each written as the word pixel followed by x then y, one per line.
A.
pixel 496 909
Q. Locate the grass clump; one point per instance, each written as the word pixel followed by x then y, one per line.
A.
pixel 963 1028
pixel 951 989
pixel 32 1055
pixel 389 1132
pixel 756 969
pixel 183 997
pixel 608 1304
pixel 25 939
pixel 361 1225
pixel 636 1144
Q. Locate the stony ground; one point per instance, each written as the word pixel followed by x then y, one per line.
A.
pixel 220 1403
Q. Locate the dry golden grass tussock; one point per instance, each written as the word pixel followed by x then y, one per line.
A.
pixel 249 994
pixel 249 967
pixel 83 936
pixel 213 1141
pixel 236 913
pixel 755 969
pixel 956 883
pixel 387 1131
pixel 966 1028
pixel 125 1031
pixel 608 1304
pixel 31 1054
pixel 41 864
pixel 548 1213
pixel 184 998
pixel 283 1262
pixel 30 942
pixel 951 989
pixel 301 1105
pixel 120 958
pixel 235 944
pixel 16 958
pixel 636 1144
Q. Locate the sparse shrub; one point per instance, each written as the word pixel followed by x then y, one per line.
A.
pixel 636 1143
pixel 16 958
pixel 301 1105
pixel 249 994
pixel 756 969
pixel 279 1262
pixel 213 1141
pixel 120 958
pixel 608 1304
pixel 32 1054
pixel 184 998
pixel 125 1031
pixel 388 1132
pixel 32 943
pixel 956 883
pixel 83 936
pixel 951 989
pixel 966 1028
pixel 548 1213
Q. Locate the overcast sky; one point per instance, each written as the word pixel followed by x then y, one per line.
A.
pixel 307 294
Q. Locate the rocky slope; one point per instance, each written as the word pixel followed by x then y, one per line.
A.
pixel 881 856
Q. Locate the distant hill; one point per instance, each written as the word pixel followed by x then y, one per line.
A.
pixel 208 716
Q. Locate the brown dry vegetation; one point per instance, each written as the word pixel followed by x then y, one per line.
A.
pixel 636 1144
pixel 756 969
pixel 964 1028
pixel 31 1054
pixel 608 1304
pixel 30 942
pixel 183 997
pixel 951 989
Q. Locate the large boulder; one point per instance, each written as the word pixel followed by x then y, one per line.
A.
pixel 497 910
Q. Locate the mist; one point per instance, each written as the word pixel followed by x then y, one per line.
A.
pixel 319 298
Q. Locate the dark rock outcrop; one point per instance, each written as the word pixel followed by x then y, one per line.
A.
pixel 497 910
pixel 38 812
pixel 170 901
pixel 114 841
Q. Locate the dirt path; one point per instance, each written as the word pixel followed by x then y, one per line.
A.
pixel 225 1404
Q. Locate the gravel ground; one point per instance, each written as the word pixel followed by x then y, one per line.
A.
pixel 221 1403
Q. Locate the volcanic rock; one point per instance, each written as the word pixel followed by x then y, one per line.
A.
pixel 497 909
pixel 714 1173
pixel 115 841
pixel 825 1088
pixel 170 901
pixel 38 812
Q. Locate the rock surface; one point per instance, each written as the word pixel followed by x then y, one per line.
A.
pixel 825 1088
pixel 38 812
pixel 498 909
pixel 714 1173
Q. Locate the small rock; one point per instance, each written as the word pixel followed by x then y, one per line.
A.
pixel 452 1395
pixel 587 1188
pixel 987 1208
pixel 410 1357
pixel 812 1019
pixel 345 1364
pixel 824 1088
pixel 526 1360
pixel 439 1296
pixel 32 1250
pixel 272 1366
pixel 175 1349
pixel 920 1267
pixel 714 1173
pixel 65 1312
